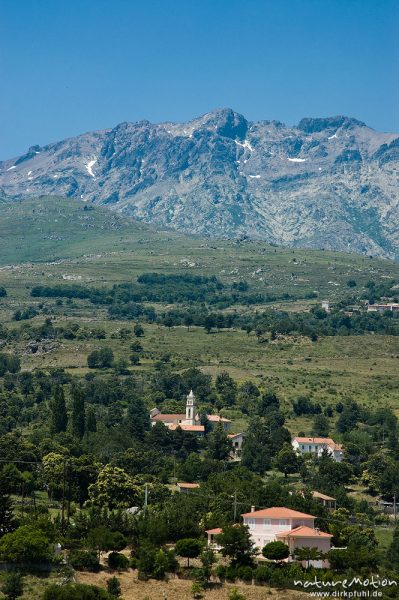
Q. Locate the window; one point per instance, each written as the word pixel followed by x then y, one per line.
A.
pixel 251 523
pixel 303 447
pixel 267 522
pixel 283 523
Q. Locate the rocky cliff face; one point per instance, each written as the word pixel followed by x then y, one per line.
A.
pixel 326 183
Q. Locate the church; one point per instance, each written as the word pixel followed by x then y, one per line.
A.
pixel 188 421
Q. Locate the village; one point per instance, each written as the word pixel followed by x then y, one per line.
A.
pixel 293 528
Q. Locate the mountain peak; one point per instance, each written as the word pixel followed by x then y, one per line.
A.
pixel 315 125
pixel 222 176
pixel 226 122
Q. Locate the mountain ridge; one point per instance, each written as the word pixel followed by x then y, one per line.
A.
pixel 328 182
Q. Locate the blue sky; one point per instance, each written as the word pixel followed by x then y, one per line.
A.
pixel 72 66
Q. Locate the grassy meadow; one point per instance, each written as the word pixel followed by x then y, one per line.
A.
pixel 52 241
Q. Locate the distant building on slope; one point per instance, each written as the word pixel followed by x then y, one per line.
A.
pixel 393 307
pixel 236 442
pixel 317 445
pixel 293 528
pixel 188 421
pixel 186 488
pixel 325 305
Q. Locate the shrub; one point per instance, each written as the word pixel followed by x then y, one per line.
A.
pixel 116 560
pixel 221 571
pixel 276 551
pixel 12 586
pixel 245 573
pixel 114 587
pixel 27 544
pixel 262 574
pixel 85 561
pixel 196 590
pixel 231 573
pixel 236 595
pixel 77 591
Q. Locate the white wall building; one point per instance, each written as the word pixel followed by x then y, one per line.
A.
pixel 317 445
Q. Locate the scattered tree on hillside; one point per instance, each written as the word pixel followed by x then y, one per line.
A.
pixel 59 416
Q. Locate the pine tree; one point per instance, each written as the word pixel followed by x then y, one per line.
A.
pixel 78 412
pixel 59 416
pixel 7 523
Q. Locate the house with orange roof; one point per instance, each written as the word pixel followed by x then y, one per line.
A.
pixel 292 527
pixel 188 421
pixel 318 445
pixel 186 488
pixel 212 533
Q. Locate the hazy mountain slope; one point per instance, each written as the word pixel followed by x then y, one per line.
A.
pixel 329 182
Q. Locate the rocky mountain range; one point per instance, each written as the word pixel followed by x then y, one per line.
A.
pixel 325 183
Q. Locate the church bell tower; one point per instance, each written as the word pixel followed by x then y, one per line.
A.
pixel 190 409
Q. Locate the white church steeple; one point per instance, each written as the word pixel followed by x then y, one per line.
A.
pixel 190 409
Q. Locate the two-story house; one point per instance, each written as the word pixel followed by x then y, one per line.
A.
pixel 293 528
pixel 317 445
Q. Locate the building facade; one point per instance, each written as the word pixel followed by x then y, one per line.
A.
pixel 190 420
pixel 317 445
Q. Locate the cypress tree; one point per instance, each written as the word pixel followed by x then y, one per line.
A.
pixel 78 412
pixel 138 420
pixel 91 424
pixel 393 550
pixel 59 416
pixel 7 523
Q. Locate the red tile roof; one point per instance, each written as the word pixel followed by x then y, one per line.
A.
pixel 168 417
pixel 278 512
pixel 322 496
pixel 189 486
pixel 217 419
pixel 214 531
pixel 314 440
pixel 303 531
pixel 317 440
pixel 197 428
pixel 233 435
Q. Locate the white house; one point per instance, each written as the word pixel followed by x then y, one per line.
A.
pixel 236 442
pixel 293 528
pixel 316 445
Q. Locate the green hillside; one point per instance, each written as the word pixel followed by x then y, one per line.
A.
pixel 96 244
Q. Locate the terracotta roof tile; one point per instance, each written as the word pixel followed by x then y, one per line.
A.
pixel 214 531
pixel 168 417
pixel 303 531
pixel 189 486
pixel 217 419
pixel 322 496
pixel 278 512
pixel 187 427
